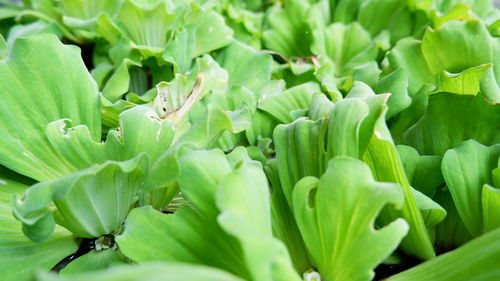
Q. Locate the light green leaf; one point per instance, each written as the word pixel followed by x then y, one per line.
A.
pixel 398 17
pixel 81 16
pixel 94 261
pixel 407 54
pixel 432 212
pixel 460 11
pixel 355 127
pixel 240 104
pixel 249 220
pixel 299 152
pixel 445 49
pixel 146 26
pixel 466 169
pixel 289 33
pixel 8 12
pixel 367 73
pixel 261 128
pixel 383 159
pixel 445 121
pixel 476 260
pixel 88 9
pixel 451 232
pixel 34 28
pixel 479 7
pixel 395 83
pixel 281 105
pixel 346 46
pixel 246 67
pixel 283 222
pixel 180 51
pixel 423 171
pixel 118 83
pixel 149 272
pixel 451 119
pixel 58 73
pixel 216 218
pixel 491 207
pixel 320 107
pixel 466 82
pixel 3 47
pixel 19 257
pixel 337 226
pixel 246 24
pixel 211 31
pixel 143 131
pixel 203 32
pixel 90 203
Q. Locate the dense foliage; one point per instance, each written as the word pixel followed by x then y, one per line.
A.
pixel 330 140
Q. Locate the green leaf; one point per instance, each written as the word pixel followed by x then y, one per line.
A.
pixel 31 29
pixel 222 200
pixel 11 183
pixel 479 7
pixel 90 203
pixel 337 227
pixel 283 222
pixel 491 207
pixel 180 51
pixel 89 157
pixel 211 31
pixel 432 212
pixel 466 169
pixel 451 232
pixel 8 12
pixel 19 257
pixel 460 11
pixel 383 159
pixel 56 74
pixel 395 83
pixel 145 26
pixel 457 46
pixel 346 46
pixel 149 272
pixel 423 171
pixel 3 47
pixel 81 17
pixel 155 137
pixel 246 67
pixel 204 31
pixel 282 105
pixel 94 261
pixel 119 82
pixel 239 104
pixel 476 260
pixel 289 34
pixel 299 152
pixel 407 54
pixel 249 221
pixel 355 127
pixel 89 9
pixel 367 73
pixel 466 82
pixel 377 149
pixel 247 25
pixel 451 119
pixel 398 17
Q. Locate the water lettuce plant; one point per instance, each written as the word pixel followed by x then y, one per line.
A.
pixel 249 140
